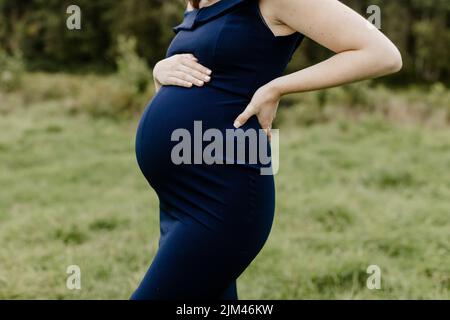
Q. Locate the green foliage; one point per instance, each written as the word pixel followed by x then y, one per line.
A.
pixel 418 27
pixel 11 71
pixel 132 69
pixel 427 105
pixel 123 93
pixel 39 29
pixel 117 96
pixel 432 47
pixel 107 98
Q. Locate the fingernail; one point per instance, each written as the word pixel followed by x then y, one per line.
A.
pixel 200 83
pixel 207 78
pixel 237 124
pixel 209 71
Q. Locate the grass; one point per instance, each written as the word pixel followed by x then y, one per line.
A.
pixel 349 194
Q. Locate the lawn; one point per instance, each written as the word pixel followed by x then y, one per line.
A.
pixel 350 194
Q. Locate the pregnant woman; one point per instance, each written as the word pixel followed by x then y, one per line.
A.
pixel 223 71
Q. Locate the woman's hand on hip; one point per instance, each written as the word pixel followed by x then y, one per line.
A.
pixel 263 105
pixel 181 70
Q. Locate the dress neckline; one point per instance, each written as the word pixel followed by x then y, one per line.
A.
pixel 221 5
pixel 203 8
pixel 205 14
pixel 211 5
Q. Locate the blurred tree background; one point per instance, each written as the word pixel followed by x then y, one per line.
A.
pixel 363 167
pixel 36 28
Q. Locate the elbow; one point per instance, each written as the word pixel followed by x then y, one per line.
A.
pixel 395 62
pixel 392 61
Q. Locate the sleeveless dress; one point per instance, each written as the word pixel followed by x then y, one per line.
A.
pixel 214 218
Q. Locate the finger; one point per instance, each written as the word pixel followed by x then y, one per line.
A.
pixel 187 77
pixel 196 66
pixel 196 74
pixel 244 116
pixel 179 82
pixel 268 132
pixel 190 56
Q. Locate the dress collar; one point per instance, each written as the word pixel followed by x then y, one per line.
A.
pixel 205 14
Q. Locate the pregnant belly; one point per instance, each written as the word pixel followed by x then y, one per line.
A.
pixel 175 111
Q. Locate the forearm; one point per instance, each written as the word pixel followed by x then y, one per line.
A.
pixel 342 68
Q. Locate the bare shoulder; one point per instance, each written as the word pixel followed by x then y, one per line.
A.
pixel 282 9
pixel 272 11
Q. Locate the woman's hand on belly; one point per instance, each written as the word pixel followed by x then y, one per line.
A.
pixel 264 106
pixel 180 70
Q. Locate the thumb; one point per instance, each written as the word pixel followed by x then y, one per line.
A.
pixel 244 116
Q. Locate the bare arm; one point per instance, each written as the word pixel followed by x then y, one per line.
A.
pixel 362 52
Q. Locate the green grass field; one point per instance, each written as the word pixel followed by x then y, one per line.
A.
pixel 349 194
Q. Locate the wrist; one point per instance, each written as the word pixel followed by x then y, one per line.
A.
pixel 275 88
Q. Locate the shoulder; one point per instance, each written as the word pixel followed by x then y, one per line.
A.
pixel 283 8
pixel 276 11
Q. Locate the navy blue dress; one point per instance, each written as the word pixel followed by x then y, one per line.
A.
pixel 214 217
